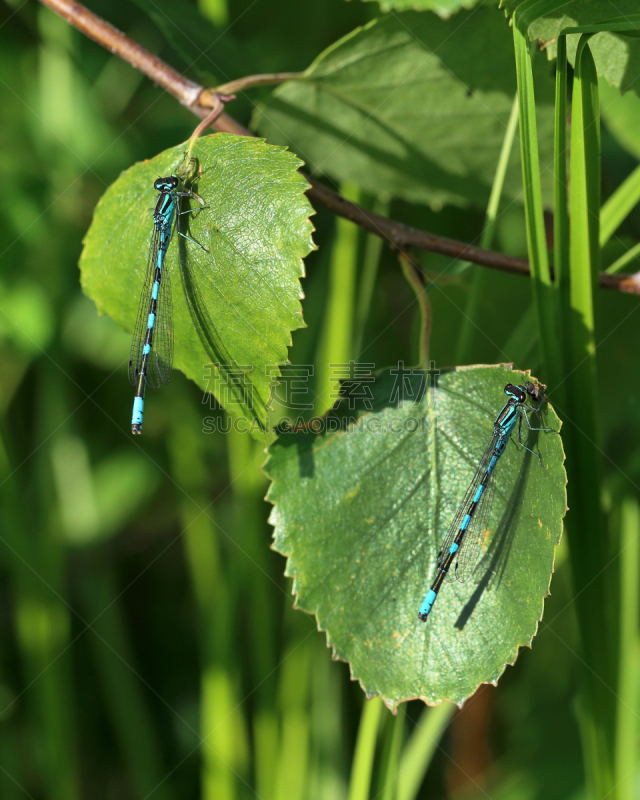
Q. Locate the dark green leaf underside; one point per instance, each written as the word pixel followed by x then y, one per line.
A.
pixel 361 514
pixel 412 106
pixel 235 305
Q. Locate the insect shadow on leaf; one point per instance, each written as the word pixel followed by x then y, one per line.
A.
pixel 493 564
pixel 233 375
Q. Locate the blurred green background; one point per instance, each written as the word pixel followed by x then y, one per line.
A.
pixel 148 646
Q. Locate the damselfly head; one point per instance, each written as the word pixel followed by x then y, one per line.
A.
pixel 166 184
pixel 518 392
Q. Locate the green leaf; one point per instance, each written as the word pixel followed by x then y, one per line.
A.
pixel 235 305
pixel 616 55
pixel 361 509
pixel 413 106
pixel 443 8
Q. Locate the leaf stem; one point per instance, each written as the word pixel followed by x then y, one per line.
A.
pixel 220 100
pixel 248 82
pixel 415 276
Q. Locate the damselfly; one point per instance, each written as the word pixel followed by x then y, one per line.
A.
pixel 152 346
pixel 464 538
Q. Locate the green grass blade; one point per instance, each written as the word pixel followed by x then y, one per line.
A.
pixel 627 730
pixel 370 261
pixel 543 295
pixel 561 228
pixel 293 757
pixel 626 258
pixel 472 308
pixel 521 341
pixel 43 613
pixel 336 340
pixel 585 523
pixel 266 743
pixel 42 627
pixel 584 216
pixel 389 774
pixel 420 748
pixel 133 726
pixel 629 24
pixel 362 766
pixel 222 726
pixel 619 205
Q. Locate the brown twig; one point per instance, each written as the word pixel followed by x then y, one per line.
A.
pixel 200 101
pixel 116 42
pixel 402 236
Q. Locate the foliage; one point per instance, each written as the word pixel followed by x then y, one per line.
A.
pixel 408 105
pixel 236 296
pixel 149 648
pixel 361 511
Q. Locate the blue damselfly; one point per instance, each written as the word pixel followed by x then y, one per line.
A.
pixel 464 537
pixel 151 356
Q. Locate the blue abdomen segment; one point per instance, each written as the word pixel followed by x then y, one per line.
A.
pixel 427 605
pixel 138 413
